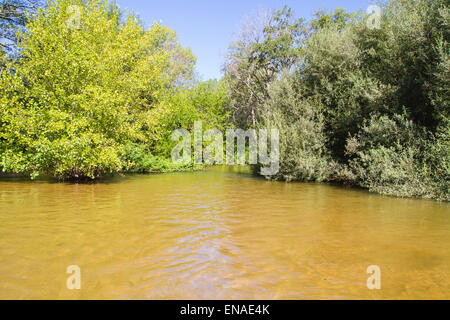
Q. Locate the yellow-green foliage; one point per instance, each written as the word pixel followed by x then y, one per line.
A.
pixel 205 101
pixel 78 94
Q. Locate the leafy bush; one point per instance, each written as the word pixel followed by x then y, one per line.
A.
pixel 137 158
pixel 368 106
pixel 76 95
pixel 396 157
pixel 332 76
pixel 303 153
pixel 437 158
pixel 204 101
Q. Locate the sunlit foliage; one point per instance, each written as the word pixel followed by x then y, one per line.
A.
pixel 84 88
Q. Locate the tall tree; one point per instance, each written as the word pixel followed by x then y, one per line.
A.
pixel 268 44
pixel 80 92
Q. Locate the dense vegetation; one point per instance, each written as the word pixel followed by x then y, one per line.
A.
pixel 356 101
pixel 354 104
pixel 97 95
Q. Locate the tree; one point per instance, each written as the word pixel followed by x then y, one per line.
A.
pixel 303 152
pixel 80 93
pixel 204 101
pixel 268 44
pixel 323 19
pixel 375 99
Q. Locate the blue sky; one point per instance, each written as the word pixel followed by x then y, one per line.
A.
pixel 209 26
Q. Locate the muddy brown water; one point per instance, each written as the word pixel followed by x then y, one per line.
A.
pixel 218 234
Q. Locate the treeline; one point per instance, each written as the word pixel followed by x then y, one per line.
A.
pixel 90 92
pixel 359 99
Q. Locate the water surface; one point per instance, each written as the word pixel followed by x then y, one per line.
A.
pixel 218 234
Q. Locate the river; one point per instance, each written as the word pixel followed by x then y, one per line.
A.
pixel 218 234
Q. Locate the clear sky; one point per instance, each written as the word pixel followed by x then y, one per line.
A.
pixel 209 26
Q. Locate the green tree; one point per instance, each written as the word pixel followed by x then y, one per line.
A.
pixel 339 18
pixel 84 88
pixel 267 45
pixel 204 101
pixel 375 101
pixel 303 152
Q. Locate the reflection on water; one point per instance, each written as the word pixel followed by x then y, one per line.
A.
pixel 218 234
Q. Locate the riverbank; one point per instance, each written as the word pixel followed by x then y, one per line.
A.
pixel 253 170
